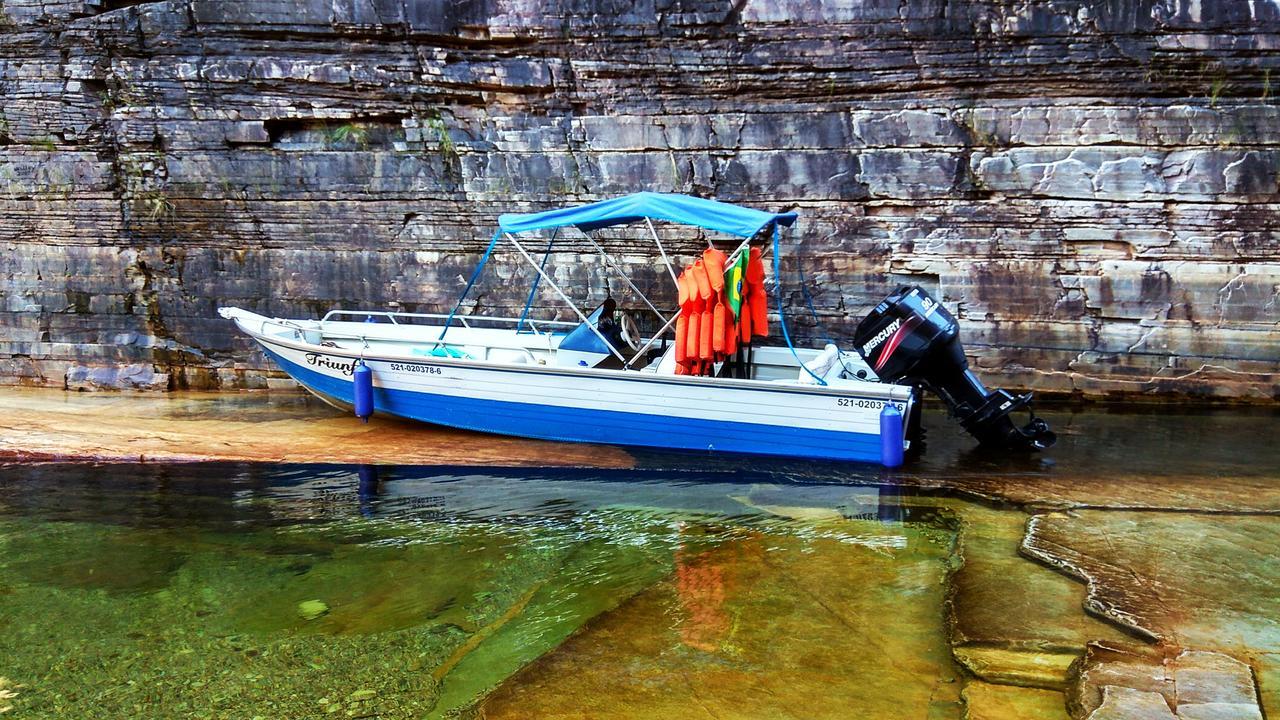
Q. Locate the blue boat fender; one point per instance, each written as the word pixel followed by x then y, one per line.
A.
pixel 362 377
pixel 890 436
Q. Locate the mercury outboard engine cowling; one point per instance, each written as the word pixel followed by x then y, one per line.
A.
pixel 911 338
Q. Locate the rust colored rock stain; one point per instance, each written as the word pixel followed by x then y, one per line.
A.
pixel 188 427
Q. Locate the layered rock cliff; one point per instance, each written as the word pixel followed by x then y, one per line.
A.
pixel 1090 184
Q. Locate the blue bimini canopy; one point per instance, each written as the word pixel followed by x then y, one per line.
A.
pixel 683 209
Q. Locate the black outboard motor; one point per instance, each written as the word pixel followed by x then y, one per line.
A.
pixel 911 338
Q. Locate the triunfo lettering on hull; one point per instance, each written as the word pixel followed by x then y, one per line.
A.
pixel 317 359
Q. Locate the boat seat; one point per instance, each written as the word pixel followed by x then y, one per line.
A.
pixel 665 366
pixel 513 357
pixel 444 351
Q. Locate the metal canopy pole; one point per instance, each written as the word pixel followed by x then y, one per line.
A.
pixel 733 256
pixel 533 291
pixel 565 298
pixel 662 250
pixel 652 340
pixel 624 277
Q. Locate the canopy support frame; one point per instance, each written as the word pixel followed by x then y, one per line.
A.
pixel 572 305
pixel 666 260
pixel 533 291
pixel 687 210
pixel 614 266
pixel 652 340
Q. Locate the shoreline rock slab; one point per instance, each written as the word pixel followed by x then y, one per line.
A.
pixel 1203 586
pixel 1204 581
pixel 1130 683
pixel 46 425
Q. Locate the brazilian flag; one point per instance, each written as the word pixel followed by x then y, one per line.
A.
pixel 734 276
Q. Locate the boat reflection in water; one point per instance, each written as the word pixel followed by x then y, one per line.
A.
pixel 248 494
pixel 469 493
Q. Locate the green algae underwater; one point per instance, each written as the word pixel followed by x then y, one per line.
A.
pixel 287 591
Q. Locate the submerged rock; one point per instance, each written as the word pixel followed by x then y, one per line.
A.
pixel 988 701
pixel 1205 581
pixel 1125 665
pixel 1122 703
pixel 746 600
pixel 1208 678
pixel 312 609
pixel 764 626
pixel 230 629
pixel 1012 621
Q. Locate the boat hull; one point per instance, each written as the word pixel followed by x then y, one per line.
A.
pixel 636 409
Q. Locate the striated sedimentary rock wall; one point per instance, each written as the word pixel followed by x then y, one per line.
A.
pixel 1091 185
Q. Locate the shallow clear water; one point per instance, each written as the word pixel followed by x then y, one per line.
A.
pixel 786 590
pixel 221 590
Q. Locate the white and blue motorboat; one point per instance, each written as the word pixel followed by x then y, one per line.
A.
pixel 596 379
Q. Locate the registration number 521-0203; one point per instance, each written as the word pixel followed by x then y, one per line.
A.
pixel 866 404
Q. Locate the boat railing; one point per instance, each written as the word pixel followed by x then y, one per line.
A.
pixel 396 317
pixel 300 333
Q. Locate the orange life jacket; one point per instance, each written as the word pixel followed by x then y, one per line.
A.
pixel 694 336
pixel 682 328
pixel 706 331
pixel 699 272
pixel 757 298
pixel 687 342
pixel 730 328
pixel 713 260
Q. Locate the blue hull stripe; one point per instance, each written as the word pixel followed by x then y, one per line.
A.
pixel 607 427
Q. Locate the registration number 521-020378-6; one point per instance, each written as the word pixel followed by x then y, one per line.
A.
pixel 415 368
pixel 866 404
